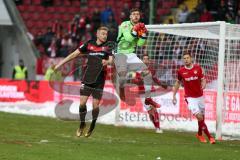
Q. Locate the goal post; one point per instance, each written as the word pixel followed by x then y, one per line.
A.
pixel 216 47
pixel 221 55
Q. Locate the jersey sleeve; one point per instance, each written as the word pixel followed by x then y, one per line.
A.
pixel 201 73
pixel 83 48
pixel 126 32
pixel 179 76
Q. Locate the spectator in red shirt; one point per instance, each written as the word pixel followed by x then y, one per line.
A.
pixel 206 16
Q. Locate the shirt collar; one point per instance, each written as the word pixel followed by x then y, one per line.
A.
pixel 189 67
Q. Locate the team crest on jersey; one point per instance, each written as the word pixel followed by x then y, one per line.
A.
pixel 195 71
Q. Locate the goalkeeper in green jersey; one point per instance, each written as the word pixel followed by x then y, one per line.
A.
pixel 132 34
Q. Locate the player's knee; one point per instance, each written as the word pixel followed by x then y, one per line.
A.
pixel 82 109
pixel 83 106
pixel 199 117
pixel 96 108
pixel 96 103
pixel 82 103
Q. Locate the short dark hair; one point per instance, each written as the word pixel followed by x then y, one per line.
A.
pixel 144 55
pixel 187 53
pixel 135 10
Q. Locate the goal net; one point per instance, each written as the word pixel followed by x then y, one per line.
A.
pixel 216 47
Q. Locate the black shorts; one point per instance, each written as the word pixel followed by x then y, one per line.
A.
pixel 95 89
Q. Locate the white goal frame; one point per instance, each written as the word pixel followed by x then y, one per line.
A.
pixel 220 78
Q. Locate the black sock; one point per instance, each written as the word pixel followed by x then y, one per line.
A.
pixel 82 115
pixel 95 113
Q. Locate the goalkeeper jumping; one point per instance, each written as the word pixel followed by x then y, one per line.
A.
pixel 131 34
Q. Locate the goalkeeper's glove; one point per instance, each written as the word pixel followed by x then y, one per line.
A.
pixel 140 30
pixel 143 30
pixel 135 29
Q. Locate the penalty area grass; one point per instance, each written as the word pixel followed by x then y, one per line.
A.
pixel 39 138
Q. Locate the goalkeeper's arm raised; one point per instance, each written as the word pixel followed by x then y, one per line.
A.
pixel 142 34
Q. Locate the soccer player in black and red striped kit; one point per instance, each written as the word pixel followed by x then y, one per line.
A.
pixel 99 55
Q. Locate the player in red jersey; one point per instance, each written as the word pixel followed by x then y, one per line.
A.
pixel 193 80
pixel 138 77
pixel 151 109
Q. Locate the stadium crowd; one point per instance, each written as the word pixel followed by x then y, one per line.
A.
pixel 59 41
pixel 213 10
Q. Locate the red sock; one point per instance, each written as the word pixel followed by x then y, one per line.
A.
pixel 152 119
pixel 205 129
pixel 156 120
pixel 199 129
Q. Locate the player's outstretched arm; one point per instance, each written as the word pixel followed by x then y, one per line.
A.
pixel 70 57
pixel 110 60
pixel 175 89
pixel 158 82
pixel 142 34
pixel 203 83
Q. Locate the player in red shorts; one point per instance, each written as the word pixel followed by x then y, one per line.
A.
pixel 193 80
pixel 151 109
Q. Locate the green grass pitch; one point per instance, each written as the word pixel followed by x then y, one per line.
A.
pixel 40 138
